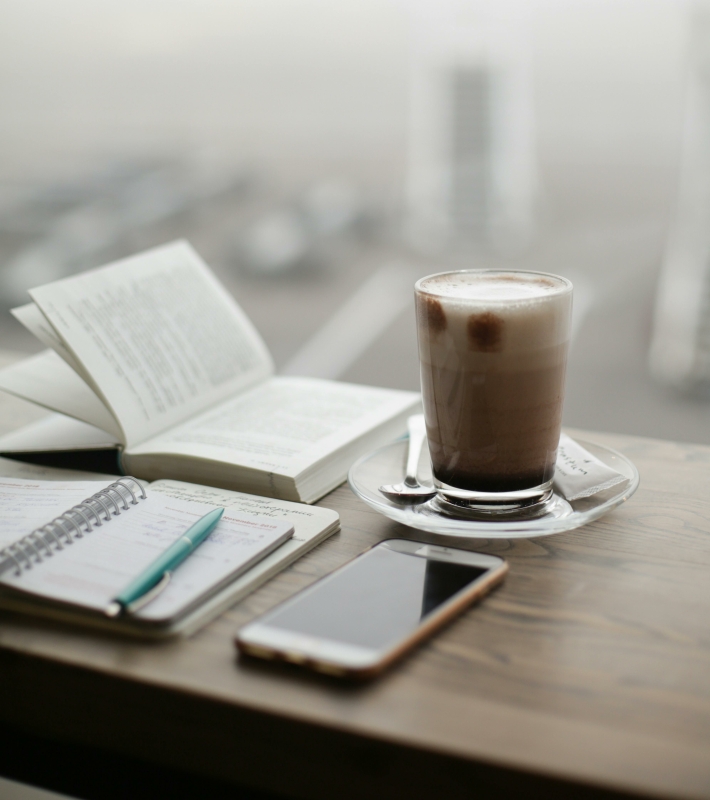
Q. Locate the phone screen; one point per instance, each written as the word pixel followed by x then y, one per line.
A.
pixel 376 600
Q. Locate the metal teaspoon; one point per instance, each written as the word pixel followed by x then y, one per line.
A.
pixel 410 490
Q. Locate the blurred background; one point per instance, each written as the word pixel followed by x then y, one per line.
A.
pixel 322 156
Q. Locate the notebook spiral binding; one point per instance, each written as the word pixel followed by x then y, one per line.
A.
pixel 73 524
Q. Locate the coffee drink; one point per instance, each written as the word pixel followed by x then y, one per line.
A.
pixel 493 352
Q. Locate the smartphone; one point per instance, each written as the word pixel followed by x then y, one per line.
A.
pixel 362 617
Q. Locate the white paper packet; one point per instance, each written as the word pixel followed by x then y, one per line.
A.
pixel 579 474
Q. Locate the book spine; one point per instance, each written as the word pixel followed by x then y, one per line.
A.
pixel 72 524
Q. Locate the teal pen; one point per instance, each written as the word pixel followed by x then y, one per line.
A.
pixel 157 574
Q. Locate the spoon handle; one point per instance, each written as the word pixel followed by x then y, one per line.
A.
pixel 417 434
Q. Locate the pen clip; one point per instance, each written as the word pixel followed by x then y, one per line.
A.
pixel 136 605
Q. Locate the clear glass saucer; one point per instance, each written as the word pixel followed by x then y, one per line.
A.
pixel 387 465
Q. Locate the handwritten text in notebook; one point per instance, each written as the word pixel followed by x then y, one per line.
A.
pixel 91 570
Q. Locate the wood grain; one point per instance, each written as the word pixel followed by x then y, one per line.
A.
pixel 587 672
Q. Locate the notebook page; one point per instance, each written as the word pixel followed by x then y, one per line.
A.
pixel 95 568
pixel 308 521
pixel 160 337
pixel 27 504
pixel 311 525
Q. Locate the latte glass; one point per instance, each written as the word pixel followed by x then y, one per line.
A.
pixel 493 354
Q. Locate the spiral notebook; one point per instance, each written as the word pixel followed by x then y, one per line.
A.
pixel 71 564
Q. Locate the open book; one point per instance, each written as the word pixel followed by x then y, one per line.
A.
pixel 151 355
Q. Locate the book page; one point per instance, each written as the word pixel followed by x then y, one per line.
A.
pixel 160 337
pixel 9 468
pixel 38 325
pixel 46 380
pixel 283 425
pixel 56 433
pixel 92 570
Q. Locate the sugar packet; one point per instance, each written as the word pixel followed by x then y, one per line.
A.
pixel 579 474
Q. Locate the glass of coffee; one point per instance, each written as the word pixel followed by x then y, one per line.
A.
pixel 493 353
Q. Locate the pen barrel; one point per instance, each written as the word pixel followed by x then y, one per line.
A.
pixel 165 562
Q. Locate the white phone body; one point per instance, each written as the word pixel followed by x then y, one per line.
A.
pixel 360 618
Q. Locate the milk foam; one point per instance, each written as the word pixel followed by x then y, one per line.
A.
pixel 531 311
pixel 492 286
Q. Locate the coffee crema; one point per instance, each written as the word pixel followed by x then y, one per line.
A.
pixel 493 350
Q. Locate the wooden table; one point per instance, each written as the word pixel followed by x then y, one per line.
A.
pixel 586 674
